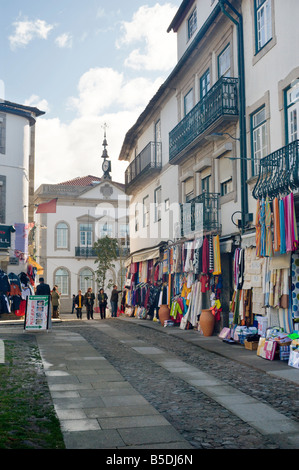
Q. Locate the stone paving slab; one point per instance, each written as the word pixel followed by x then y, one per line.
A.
pixel 96 406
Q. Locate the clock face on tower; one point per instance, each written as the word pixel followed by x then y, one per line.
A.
pixel 105 165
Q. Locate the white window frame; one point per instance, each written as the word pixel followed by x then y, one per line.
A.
pixel 62 280
pixel 224 62
pixel 191 24
pixel 259 138
pixel 85 234
pixel 158 199
pixel 62 233
pixel 263 23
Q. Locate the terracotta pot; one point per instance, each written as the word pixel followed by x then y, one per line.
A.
pixel 164 313
pixel 207 322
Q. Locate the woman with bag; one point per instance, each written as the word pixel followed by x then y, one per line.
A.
pixel 102 298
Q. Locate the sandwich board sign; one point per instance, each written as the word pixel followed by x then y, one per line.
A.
pixel 37 316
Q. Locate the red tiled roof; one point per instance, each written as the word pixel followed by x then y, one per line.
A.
pixel 82 181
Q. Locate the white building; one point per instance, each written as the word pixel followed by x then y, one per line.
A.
pixel 17 157
pixel 87 208
pixel 231 100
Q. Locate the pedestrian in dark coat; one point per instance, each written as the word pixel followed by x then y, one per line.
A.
pixel 89 301
pixel 102 298
pixel 114 301
pixel 42 288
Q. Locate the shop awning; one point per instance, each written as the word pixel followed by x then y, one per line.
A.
pixel 40 269
pixel 146 255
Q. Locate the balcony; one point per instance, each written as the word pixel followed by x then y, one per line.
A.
pixel 219 104
pixel 278 172
pixel 85 252
pixel 201 214
pixel 89 252
pixel 147 163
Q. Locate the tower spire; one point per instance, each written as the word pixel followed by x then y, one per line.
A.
pixel 106 166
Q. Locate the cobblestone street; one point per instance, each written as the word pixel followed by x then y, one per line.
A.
pixel 201 421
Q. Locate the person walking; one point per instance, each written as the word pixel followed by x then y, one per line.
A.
pixel 55 298
pixel 42 288
pixel 79 302
pixel 102 298
pixel 89 301
pixel 114 300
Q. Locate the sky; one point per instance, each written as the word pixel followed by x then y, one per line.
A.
pixel 86 65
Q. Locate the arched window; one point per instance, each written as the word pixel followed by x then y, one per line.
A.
pixel 62 232
pixel 86 279
pixel 62 281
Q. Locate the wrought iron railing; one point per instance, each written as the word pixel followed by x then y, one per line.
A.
pixel 221 100
pixel 200 214
pixel 85 252
pixel 278 172
pixel 149 158
pixel 89 252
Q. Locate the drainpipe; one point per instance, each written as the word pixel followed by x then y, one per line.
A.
pixel 242 108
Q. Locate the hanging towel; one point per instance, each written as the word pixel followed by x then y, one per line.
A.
pixel 268 218
pixel 263 228
pixel 211 254
pixel 217 261
pixel 287 225
pixel 258 229
pixel 205 256
pixel 276 226
pixel 294 234
pixel 282 227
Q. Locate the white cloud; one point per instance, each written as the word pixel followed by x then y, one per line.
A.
pixel 65 40
pixel 26 31
pixel 102 89
pixel 149 27
pixel 37 102
pixel 65 151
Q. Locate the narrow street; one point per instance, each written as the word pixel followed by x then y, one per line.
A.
pixel 211 401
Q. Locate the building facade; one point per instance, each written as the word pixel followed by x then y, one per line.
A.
pixel 17 157
pixel 204 137
pixel 87 208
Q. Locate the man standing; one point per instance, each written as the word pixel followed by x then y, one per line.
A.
pixel 89 301
pixel 42 288
pixel 114 301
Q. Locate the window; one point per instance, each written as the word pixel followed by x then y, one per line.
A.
pixel 292 111
pixel 85 234
pixel 145 211
pixel 189 189
pixel 263 23
pixel 258 138
pixel 188 102
pixel 105 230
pixel 192 24
pixel 62 281
pixel 224 63
pixel 226 187
pixel 86 279
pixel 204 84
pixel 62 235
pixel 205 184
pixel 158 149
pixel 167 204
pixel 136 218
pixel 123 231
pixel 158 204
pixel 2 132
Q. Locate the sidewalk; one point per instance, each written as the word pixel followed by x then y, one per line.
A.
pixel 99 409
